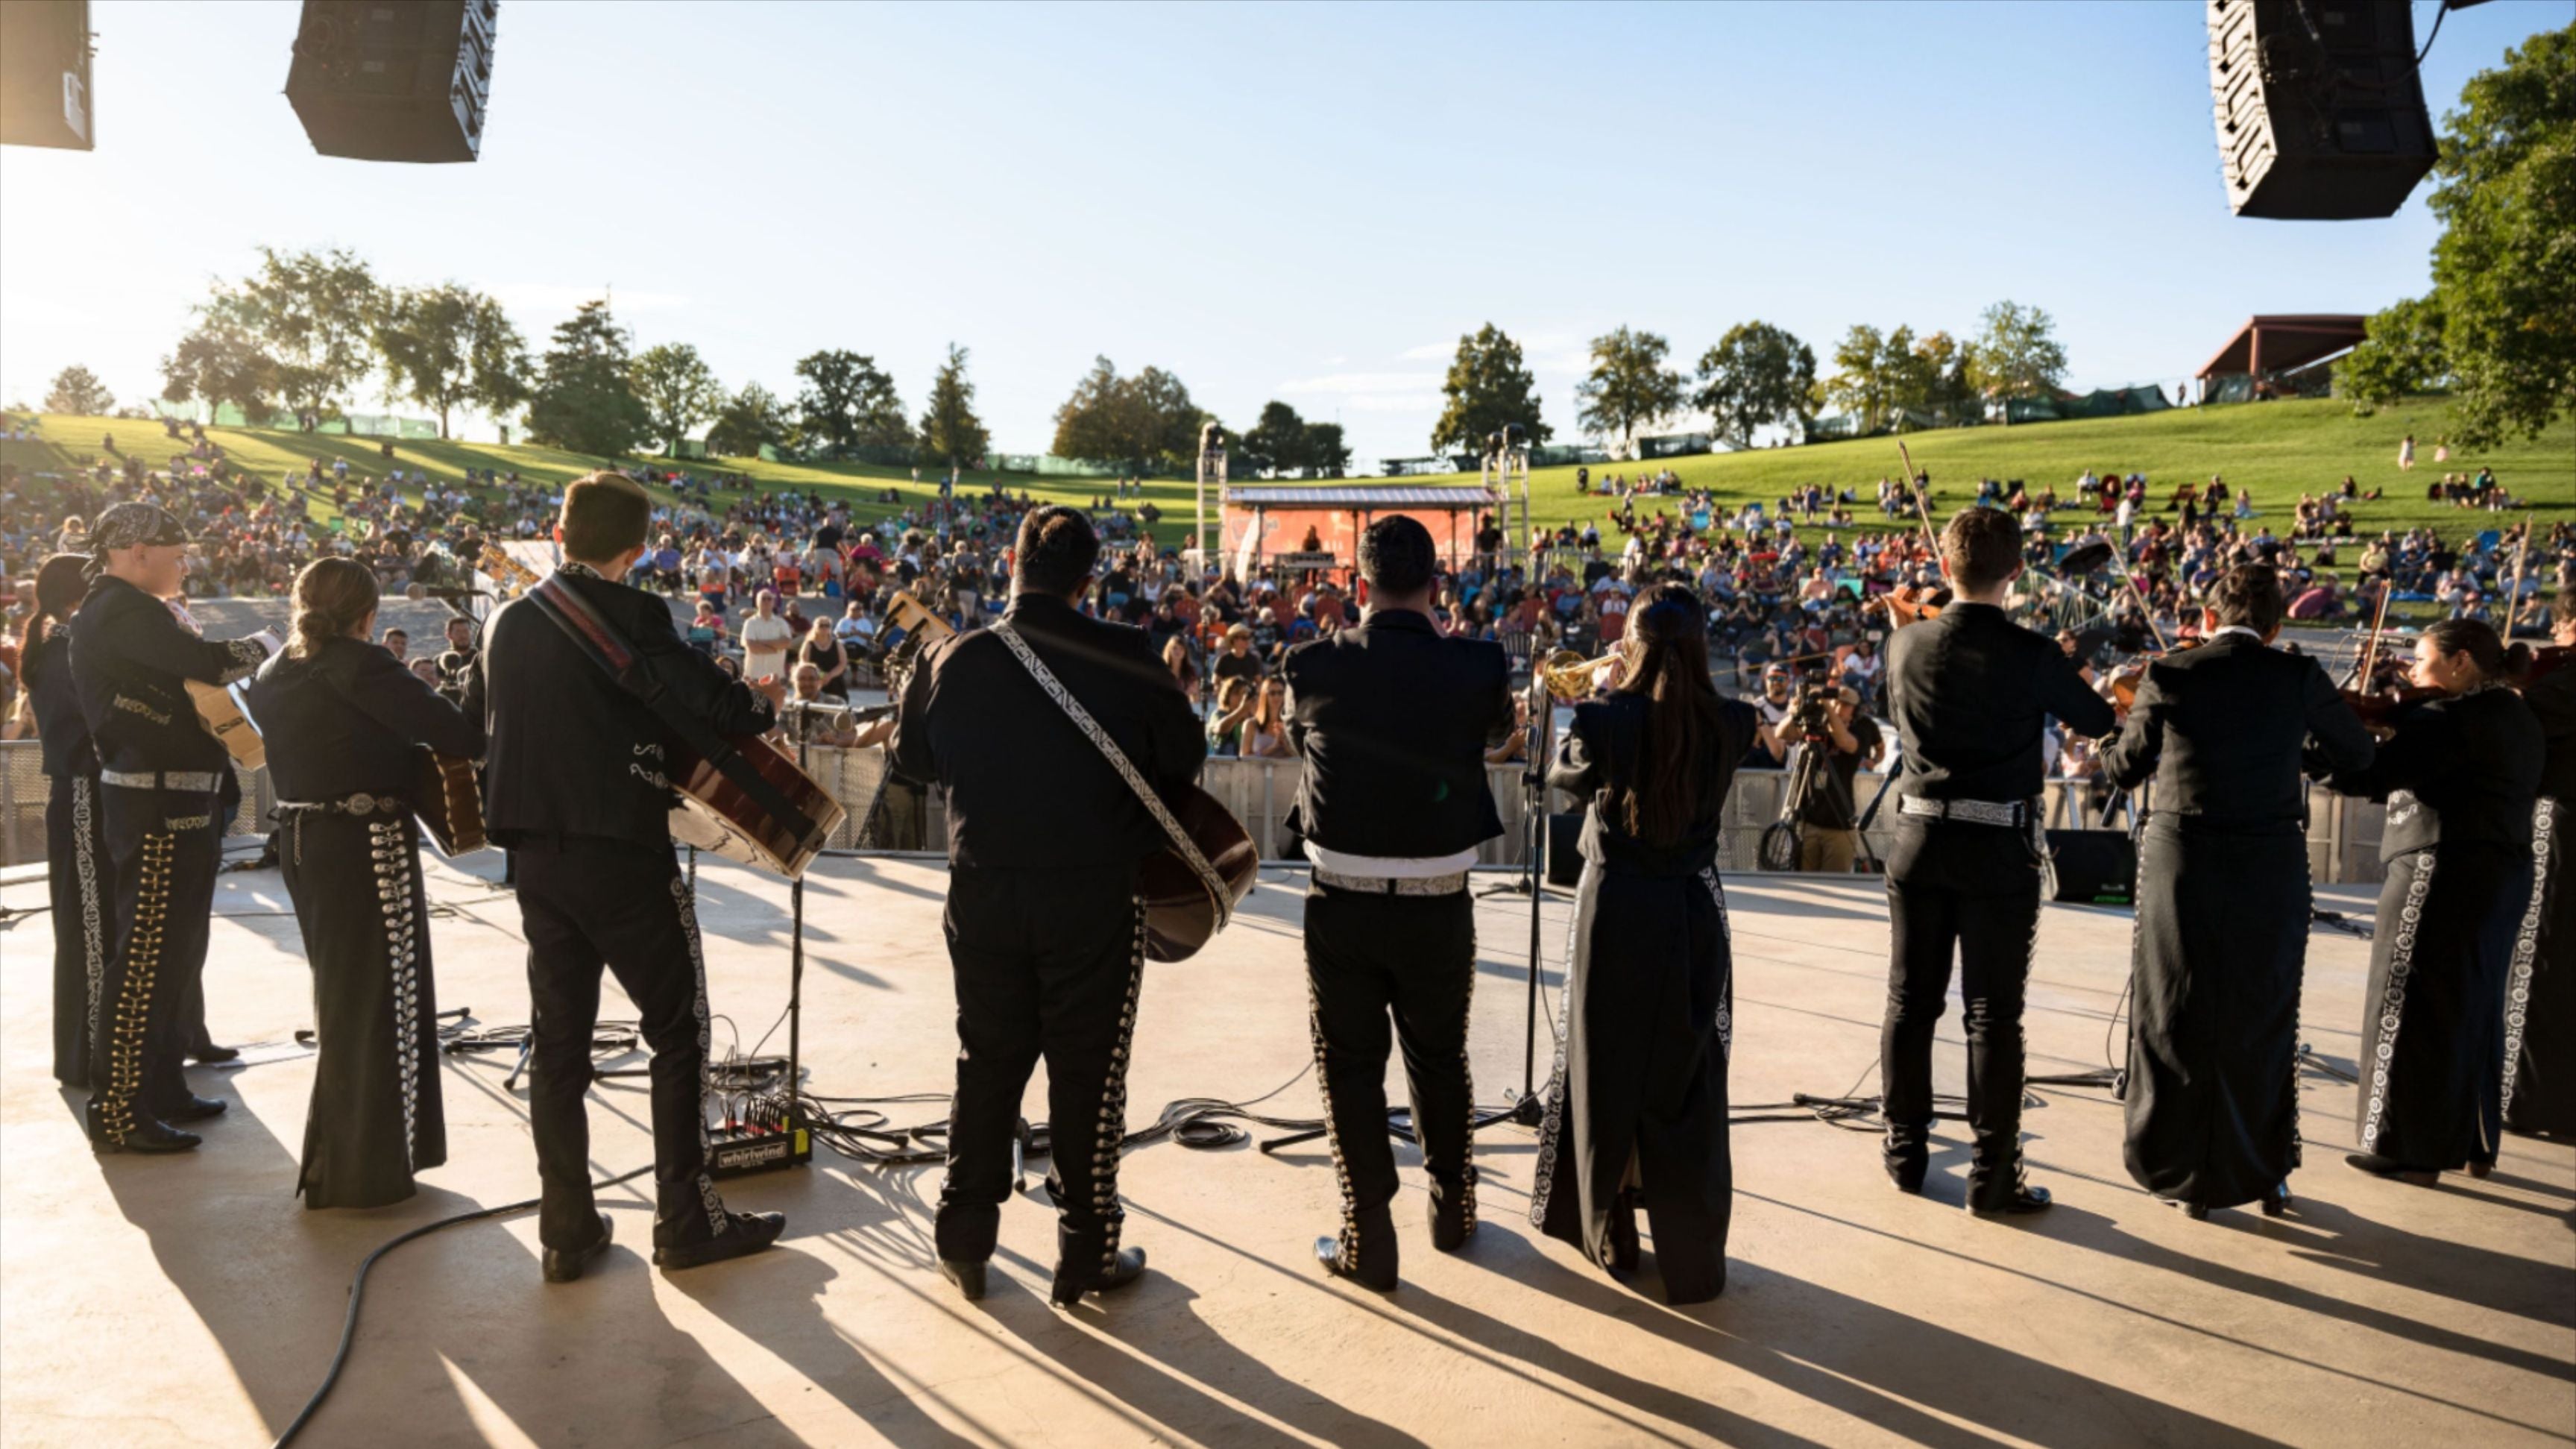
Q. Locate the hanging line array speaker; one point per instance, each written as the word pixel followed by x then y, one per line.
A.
pixel 394 80
pixel 2320 111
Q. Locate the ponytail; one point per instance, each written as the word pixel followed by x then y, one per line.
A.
pixel 332 596
pixel 61 583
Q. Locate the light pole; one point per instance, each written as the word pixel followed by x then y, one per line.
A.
pixel 1507 460
pixel 1211 470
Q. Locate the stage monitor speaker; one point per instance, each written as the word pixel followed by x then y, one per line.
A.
pixel 1565 848
pixel 394 80
pixel 2320 113
pixel 2094 867
pixel 44 74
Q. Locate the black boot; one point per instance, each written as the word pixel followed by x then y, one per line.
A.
pixel 141 1133
pixel 2389 1167
pixel 967 1275
pixel 1906 1156
pixel 1453 1212
pixel 2002 1193
pixel 743 1235
pixel 207 1054
pixel 1365 1251
pixel 563 1266
pixel 1125 1267
pixel 191 1108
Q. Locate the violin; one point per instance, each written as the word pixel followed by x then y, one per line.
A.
pixel 1909 604
pixel 2545 661
pixel 2379 711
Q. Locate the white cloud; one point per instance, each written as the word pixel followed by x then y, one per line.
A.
pixel 1430 352
pixel 1335 361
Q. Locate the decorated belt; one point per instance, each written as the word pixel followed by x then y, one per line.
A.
pixel 201 781
pixel 361 803
pixel 1975 812
pixel 1388 885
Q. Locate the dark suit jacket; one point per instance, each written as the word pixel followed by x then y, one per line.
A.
pixel 2229 720
pixel 2459 771
pixel 348 718
pixel 1394 720
pixel 569 751
pixel 1968 691
pixel 130 658
pixel 1025 788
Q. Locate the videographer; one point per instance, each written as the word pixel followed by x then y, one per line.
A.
pixel 1829 720
pixel 1771 743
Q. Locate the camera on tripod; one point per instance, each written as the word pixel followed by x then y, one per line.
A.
pixel 1811 710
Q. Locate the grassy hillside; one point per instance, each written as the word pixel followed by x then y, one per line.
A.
pixel 2279 450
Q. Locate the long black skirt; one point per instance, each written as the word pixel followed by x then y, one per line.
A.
pixel 2540 987
pixel 80 875
pixel 377 1116
pixel 2432 1047
pixel 2220 945
pixel 1640 1076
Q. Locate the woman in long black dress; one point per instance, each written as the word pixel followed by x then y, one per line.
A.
pixel 2223 899
pixel 2460 776
pixel 343 723
pixel 1637 1102
pixel 78 867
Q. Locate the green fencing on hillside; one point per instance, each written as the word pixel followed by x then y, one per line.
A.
pixel 366 425
pixel 2107 402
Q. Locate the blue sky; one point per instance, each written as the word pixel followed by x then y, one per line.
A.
pixel 1303 202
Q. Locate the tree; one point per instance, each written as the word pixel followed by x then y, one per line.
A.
pixel 1488 387
pixel 849 403
pixel 584 400
pixel 1859 384
pixel 1276 443
pixel 77 390
pixel 315 313
pixel 678 390
pixel 749 419
pixel 1327 456
pixel 2017 354
pixel 448 345
pixel 2504 268
pixel 222 363
pixel 1130 420
pixel 1629 386
pixel 1756 376
pixel 2401 354
pixel 949 428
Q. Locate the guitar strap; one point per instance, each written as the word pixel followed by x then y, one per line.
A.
pixel 1182 844
pixel 603 646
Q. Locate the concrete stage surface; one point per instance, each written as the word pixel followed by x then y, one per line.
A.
pixel 192 1300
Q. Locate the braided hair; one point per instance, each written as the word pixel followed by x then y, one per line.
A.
pixel 332 596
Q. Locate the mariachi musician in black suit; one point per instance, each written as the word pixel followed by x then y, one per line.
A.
pixel 2460 774
pixel 2540 991
pixel 574 784
pixel 1969 691
pixel 1046 934
pixel 343 723
pixel 1394 720
pixel 79 872
pixel 165 776
pixel 2222 900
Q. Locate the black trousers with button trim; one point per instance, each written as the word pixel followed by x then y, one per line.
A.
pixel 166 845
pixel 1048 965
pixel 1372 960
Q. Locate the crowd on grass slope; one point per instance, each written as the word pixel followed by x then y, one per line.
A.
pixel 771 580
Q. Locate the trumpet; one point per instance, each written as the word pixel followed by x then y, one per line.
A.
pixel 513 576
pixel 1569 676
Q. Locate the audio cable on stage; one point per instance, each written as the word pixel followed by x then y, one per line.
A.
pixel 358 1293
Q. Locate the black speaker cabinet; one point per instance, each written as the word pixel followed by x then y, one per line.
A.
pixel 2320 113
pixel 44 74
pixel 394 80
pixel 2095 867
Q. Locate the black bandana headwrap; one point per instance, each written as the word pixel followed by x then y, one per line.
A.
pixel 126 525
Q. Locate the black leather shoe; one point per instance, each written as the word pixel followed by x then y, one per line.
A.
pixel 969 1277
pixel 192 1108
pixel 2277 1201
pixel 1365 1251
pixel 2389 1167
pixel 563 1267
pixel 744 1234
pixel 212 1055
pixel 146 1134
pixel 1906 1172
pixel 1126 1268
pixel 2010 1197
pixel 1452 1211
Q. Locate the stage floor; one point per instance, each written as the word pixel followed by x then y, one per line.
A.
pixel 193 1300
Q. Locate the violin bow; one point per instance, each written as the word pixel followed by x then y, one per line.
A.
pixel 2513 600
pixel 2370 650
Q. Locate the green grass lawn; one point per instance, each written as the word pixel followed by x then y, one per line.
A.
pixel 2279 450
